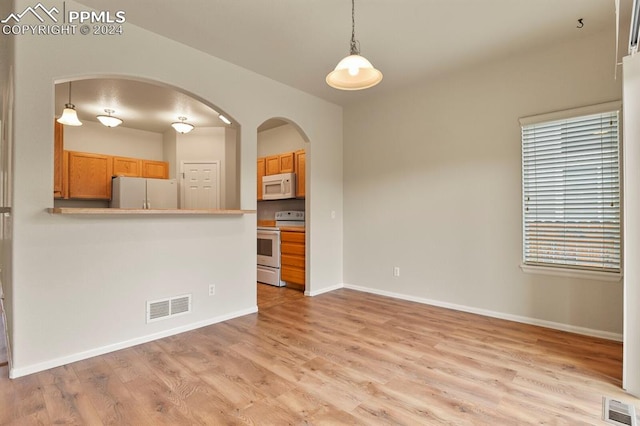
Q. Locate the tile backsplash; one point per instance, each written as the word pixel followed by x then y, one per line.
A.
pixel 267 209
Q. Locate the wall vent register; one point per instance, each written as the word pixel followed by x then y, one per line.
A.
pixel 170 307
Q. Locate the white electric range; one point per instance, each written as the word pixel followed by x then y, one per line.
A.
pixel 269 246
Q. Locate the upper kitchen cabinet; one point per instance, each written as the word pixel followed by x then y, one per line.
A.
pixel 272 165
pixel 287 162
pixel 260 174
pixel 89 175
pixel 300 169
pixel 58 149
pixel 155 169
pixel 125 166
pixel 281 163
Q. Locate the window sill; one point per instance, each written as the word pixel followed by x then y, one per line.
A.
pixel 572 273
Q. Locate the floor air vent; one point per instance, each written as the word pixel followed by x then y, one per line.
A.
pixel 166 308
pixel 618 413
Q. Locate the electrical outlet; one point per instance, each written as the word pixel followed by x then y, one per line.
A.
pixel 396 271
pixel 212 289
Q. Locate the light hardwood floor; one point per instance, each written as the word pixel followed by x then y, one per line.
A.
pixel 340 358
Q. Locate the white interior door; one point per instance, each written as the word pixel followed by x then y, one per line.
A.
pixel 200 185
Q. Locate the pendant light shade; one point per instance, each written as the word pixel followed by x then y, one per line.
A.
pixel 182 126
pixel 354 72
pixel 69 116
pixel 109 120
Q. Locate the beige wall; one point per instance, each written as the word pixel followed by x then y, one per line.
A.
pixel 122 141
pixel 631 375
pixel 433 185
pixel 280 139
pixel 79 285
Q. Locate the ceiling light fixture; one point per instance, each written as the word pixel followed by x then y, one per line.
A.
pixel 69 116
pixel 109 120
pixel 354 72
pixel 182 126
pixel 224 119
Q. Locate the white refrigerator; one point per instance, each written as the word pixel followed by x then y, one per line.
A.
pixel 143 193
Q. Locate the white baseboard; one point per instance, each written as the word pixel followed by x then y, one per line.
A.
pixel 493 314
pixel 57 362
pixel 323 290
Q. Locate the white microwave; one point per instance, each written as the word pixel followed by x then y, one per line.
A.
pixel 279 187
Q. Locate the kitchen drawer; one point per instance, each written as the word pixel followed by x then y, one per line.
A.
pixel 292 275
pixel 288 248
pixel 292 237
pixel 292 260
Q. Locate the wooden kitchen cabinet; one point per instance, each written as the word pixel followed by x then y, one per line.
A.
pixel 286 162
pixel 155 169
pixel 260 174
pixel 89 175
pixel 58 158
pixel 281 163
pixel 125 166
pixel 272 165
pixel 300 169
pixel 292 257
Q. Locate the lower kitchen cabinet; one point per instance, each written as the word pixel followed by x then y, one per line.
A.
pixel 292 257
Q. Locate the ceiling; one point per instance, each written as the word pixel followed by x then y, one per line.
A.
pixel 141 105
pixel 297 42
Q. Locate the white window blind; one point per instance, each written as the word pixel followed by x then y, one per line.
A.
pixel 571 190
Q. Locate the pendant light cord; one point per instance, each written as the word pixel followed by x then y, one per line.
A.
pixel 355 50
pixel 67 106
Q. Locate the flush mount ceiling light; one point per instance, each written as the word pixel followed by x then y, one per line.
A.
pixel 109 120
pixel 354 72
pixel 224 119
pixel 182 126
pixel 69 116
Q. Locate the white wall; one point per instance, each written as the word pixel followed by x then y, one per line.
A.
pixel 631 370
pixel 433 185
pixel 79 284
pixel 280 139
pixel 232 175
pixel 169 151
pixel 6 173
pixel 121 141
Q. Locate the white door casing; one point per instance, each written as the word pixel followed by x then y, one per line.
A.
pixel 200 185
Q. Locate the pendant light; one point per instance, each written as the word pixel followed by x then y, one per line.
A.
pixel 69 116
pixel 109 120
pixel 182 126
pixel 354 72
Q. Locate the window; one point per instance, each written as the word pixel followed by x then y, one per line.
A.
pixel 571 189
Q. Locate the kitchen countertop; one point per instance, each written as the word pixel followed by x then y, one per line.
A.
pixel 168 212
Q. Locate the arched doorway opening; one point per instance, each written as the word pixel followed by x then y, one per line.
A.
pixel 283 226
pixel 145 144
